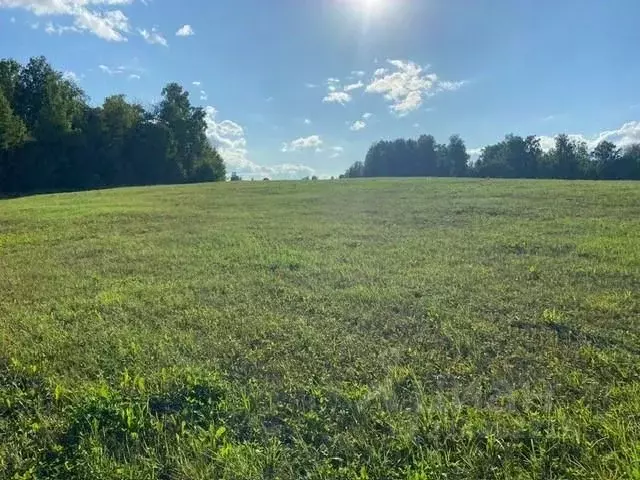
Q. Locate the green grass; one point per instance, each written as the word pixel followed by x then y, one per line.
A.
pixel 378 329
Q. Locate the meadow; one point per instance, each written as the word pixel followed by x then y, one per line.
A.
pixel 358 329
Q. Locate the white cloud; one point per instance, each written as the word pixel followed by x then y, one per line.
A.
pixel 546 142
pixel 360 124
pixel 311 85
pixel 153 36
pixel 228 138
pixel 109 25
pixel 474 154
pixel 197 84
pixel 302 143
pixel 337 97
pixel 407 87
pixel 227 128
pixel 134 71
pixel 447 86
pixel 50 28
pixel 69 75
pixel 416 125
pixel 111 71
pixel 411 102
pixel 13 20
pixel 357 125
pixel 288 171
pixel 95 16
pixel 185 31
pixel 358 73
pixel 307 121
pixel 353 86
pixel 337 151
pixel 333 85
pixel 625 135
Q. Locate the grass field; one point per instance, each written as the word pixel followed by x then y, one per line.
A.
pixel 375 329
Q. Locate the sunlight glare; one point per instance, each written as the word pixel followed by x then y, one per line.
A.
pixel 372 4
pixel 370 7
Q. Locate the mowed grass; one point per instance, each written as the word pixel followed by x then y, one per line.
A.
pixel 374 329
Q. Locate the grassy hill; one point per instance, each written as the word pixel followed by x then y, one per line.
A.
pixel 350 330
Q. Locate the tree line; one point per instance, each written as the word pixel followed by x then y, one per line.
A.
pixel 51 139
pixel 513 157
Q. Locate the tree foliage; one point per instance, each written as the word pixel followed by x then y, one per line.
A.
pixel 52 139
pixel 513 157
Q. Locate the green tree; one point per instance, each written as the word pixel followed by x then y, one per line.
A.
pixel 492 162
pixel 210 167
pixel 427 164
pixel 150 156
pixel 514 157
pixel 119 128
pixel 629 165
pixel 564 159
pixel 532 157
pixel 46 101
pixel 50 139
pixel 606 157
pixel 457 157
pixel 9 79
pixel 356 170
pixel 13 133
pixel 188 127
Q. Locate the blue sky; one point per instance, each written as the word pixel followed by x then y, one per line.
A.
pixel 300 87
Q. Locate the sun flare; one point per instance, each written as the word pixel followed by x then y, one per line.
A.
pixel 370 7
pixel 372 3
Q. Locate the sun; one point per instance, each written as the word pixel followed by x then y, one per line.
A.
pixel 370 7
pixel 373 5
pixel 370 13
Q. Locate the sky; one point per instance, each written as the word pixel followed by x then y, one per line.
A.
pixel 304 87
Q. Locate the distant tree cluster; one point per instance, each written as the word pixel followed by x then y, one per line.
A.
pixel 514 157
pixel 52 139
